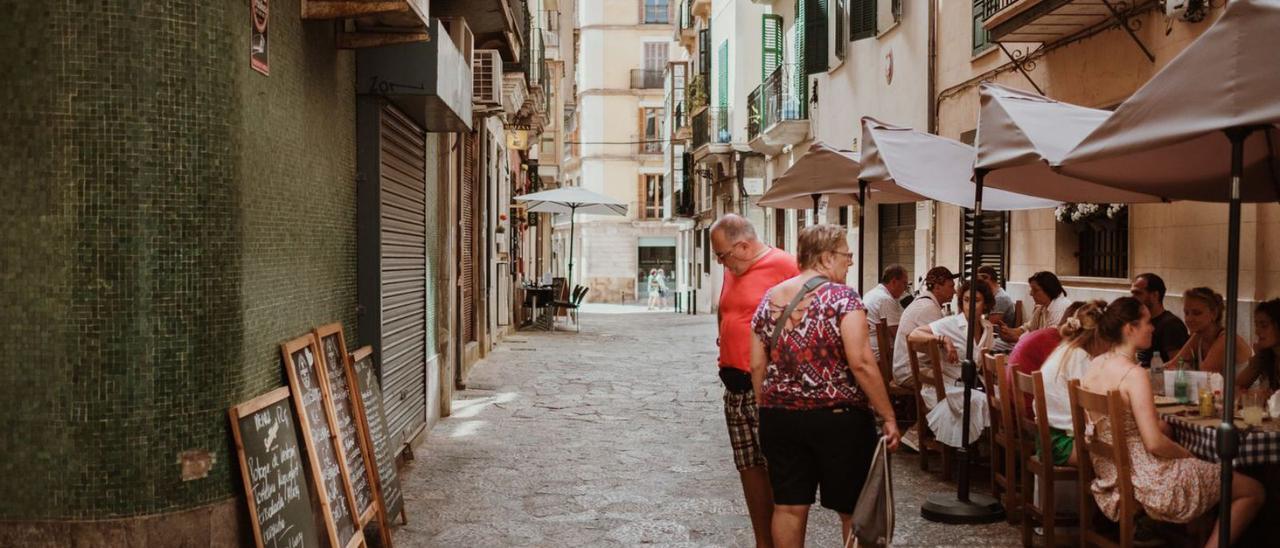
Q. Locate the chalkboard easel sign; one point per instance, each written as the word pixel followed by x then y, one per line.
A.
pixel 373 419
pixel 271 466
pixel 342 394
pixel 329 475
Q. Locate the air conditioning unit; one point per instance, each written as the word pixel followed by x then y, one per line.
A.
pixel 486 72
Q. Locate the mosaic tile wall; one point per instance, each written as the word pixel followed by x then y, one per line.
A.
pixel 170 216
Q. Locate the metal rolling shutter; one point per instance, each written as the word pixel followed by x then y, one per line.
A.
pixel 404 271
pixel 467 253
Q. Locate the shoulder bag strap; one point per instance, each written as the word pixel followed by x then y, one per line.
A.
pixel 809 286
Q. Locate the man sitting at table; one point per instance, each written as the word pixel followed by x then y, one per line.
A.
pixel 1170 333
pixel 940 288
pixel 882 304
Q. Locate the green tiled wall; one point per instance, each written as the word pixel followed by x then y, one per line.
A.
pixel 169 217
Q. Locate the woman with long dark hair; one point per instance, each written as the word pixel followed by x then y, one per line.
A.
pixel 1264 367
pixel 1168 481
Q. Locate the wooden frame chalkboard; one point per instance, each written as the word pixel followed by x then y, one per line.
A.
pixel 271 466
pixel 324 449
pixel 345 399
pixel 373 420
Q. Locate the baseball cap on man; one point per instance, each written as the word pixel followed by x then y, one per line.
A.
pixel 939 274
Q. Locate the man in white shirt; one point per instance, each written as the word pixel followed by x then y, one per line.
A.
pixel 939 289
pixel 882 304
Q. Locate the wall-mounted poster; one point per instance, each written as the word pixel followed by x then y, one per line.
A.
pixel 260 15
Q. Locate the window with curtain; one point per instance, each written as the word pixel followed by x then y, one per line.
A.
pixel 655 12
pixel 652 206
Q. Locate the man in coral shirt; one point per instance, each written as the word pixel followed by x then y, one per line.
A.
pixel 751 269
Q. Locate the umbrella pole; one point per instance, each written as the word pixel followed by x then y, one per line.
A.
pixel 966 507
pixel 862 217
pixel 569 275
pixel 1227 431
pixel 816 199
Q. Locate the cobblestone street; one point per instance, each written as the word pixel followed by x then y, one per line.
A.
pixel 611 437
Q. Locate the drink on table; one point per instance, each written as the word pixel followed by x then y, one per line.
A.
pixel 1252 413
pixel 1180 382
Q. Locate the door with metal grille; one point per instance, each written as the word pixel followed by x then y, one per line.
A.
pixel 403 236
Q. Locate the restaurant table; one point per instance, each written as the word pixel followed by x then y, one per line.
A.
pixel 542 295
pixel 1258 445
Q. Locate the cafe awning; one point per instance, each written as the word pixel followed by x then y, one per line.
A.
pixel 1021 135
pixel 1169 139
pixel 934 167
pixel 829 172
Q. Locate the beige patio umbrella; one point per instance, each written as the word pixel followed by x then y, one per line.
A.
pixel 942 169
pixel 1217 100
pixel 826 171
pixel 1021 136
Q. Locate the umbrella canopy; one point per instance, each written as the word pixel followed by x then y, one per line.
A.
pixel 1021 135
pixel 825 171
pixel 572 199
pixel 931 166
pixel 1168 138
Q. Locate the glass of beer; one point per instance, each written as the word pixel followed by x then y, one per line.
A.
pixel 1253 407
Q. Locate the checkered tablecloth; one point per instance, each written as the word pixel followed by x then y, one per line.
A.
pixel 1200 436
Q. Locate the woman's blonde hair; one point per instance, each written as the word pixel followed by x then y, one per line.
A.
pixel 1210 298
pixel 816 240
pixel 1080 329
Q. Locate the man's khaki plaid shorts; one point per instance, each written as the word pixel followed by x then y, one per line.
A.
pixel 743 419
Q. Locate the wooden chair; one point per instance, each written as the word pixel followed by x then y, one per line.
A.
pixel 885 343
pixel 1110 405
pixel 1037 469
pixel 1018 316
pixel 933 377
pixel 1004 441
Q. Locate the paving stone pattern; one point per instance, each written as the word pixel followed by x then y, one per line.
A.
pixel 611 437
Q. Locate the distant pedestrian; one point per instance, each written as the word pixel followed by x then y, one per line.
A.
pixel 816 383
pixel 751 268
pixel 662 289
pixel 651 288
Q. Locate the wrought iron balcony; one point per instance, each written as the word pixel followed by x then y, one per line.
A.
pixel 712 127
pixel 1046 21
pixel 777 113
pixel 646 79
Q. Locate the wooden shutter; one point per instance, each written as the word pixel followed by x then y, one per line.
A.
pixel 403 286
pixel 723 75
pixel 981 37
pixel 704 51
pixel 995 241
pixel 467 270
pixel 771 41
pixel 801 84
pixel 862 19
pixel 815 36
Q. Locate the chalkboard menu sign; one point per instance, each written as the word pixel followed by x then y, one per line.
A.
pixel 375 418
pixel 271 465
pixel 333 350
pixel 301 357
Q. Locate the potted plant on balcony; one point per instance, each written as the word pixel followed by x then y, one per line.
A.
pixel 696 94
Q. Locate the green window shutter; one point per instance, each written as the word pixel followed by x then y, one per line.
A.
pixel 815 36
pixel 704 51
pixel 801 85
pixel 724 75
pixel 770 45
pixel 862 19
pixel 981 38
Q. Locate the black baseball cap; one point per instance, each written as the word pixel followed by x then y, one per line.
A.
pixel 939 274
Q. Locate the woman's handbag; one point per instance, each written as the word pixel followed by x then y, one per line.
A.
pixel 873 515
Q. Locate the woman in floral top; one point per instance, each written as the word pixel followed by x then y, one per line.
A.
pixel 816 388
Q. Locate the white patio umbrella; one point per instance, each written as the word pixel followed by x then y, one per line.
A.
pixel 825 171
pixel 1021 136
pixel 942 169
pixel 572 200
pixel 1215 100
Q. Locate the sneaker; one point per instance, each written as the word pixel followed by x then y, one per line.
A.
pixel 911 439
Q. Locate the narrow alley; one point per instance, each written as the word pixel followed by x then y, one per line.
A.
pixel 611 437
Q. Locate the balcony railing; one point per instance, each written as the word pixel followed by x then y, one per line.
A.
pixel 754 107
pixel 779 98
pixel 992 7
pixel 712 126
pixel 646 79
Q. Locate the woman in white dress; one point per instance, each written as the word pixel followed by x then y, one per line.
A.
pixel 946 421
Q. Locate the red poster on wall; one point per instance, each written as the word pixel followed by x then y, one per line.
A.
pixel 259 13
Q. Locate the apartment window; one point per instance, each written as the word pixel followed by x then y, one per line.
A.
pixel 995 241
pixel 898 236
pixel 650 130
pixel 651 202
pixel 655 12
pixel 981 37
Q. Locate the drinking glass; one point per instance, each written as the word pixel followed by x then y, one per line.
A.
pixel 1253 407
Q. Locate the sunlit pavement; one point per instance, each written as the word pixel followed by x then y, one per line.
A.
pixel 614 436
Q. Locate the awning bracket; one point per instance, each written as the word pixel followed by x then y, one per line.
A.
pixel 1130 25
pixel 1024 61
